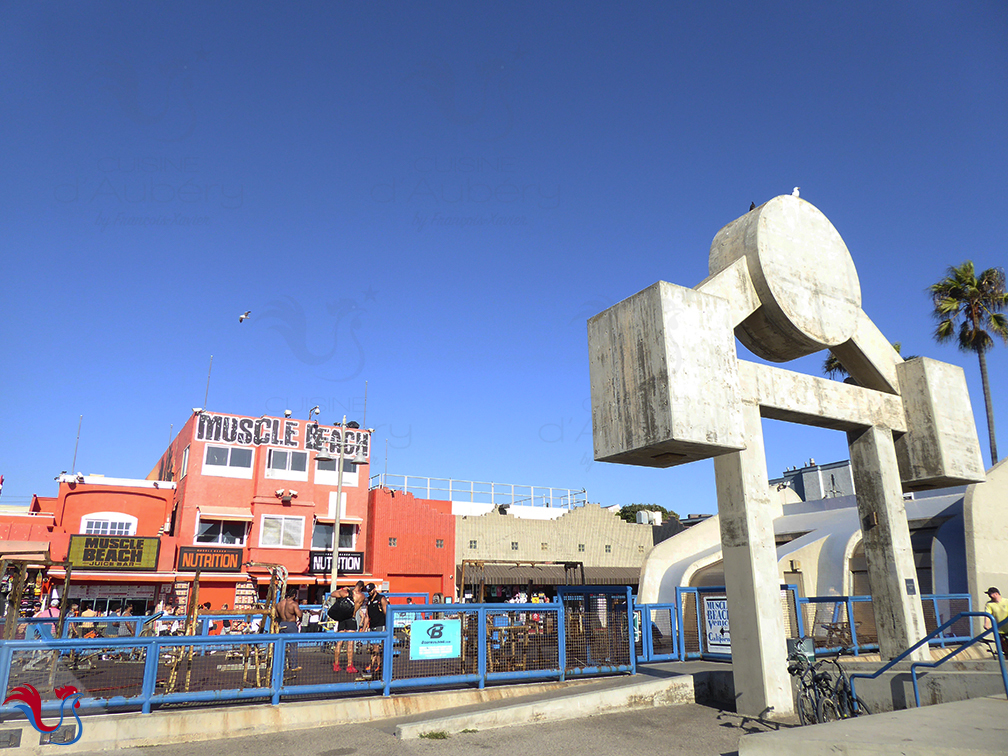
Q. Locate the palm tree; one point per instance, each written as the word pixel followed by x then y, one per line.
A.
pixel 974 304
pixel 833 368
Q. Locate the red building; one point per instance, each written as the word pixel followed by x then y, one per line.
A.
pixel 233 496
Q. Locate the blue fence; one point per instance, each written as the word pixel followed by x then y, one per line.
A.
pixel 123 662
pixel 421 646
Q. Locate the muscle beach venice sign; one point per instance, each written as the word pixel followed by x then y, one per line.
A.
pixel 273 431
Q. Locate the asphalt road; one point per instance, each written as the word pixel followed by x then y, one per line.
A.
pixel 689 729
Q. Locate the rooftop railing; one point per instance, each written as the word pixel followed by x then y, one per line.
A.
pixel 480 492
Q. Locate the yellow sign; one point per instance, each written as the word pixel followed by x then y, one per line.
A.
pixel 100 552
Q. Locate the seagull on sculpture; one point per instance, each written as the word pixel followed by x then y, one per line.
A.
pixel 794 192
pixel 245 316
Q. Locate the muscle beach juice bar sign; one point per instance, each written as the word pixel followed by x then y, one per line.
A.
pixel 113 552
pixel 274 431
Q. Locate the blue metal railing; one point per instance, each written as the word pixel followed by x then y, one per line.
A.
pixel 499 642
pixel 926 641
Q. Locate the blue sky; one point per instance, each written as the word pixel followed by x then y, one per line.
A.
pixel 434 198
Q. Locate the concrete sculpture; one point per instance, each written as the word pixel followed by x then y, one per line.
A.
pixel 668 388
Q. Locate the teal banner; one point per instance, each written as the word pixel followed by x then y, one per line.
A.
pixel 435 639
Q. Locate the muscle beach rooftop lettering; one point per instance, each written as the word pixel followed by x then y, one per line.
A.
pixel 274 431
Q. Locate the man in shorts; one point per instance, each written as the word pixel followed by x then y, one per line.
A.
pixel 290 622
pixel 358 596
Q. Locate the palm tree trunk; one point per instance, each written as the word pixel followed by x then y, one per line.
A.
pixel 987 401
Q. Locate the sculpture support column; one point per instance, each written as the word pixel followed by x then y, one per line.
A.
pixel 759 647
pixel 896 602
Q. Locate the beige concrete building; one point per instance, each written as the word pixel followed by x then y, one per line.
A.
pixel 611 550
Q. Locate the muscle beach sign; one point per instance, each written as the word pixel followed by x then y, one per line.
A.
pixel 113 552
pixel 274 431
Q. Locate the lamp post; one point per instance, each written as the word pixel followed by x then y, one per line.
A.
pixel 359 459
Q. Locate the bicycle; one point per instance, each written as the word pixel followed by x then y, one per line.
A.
pixel 820 698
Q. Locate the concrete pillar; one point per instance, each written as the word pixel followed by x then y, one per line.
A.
pixel 899 617
pixel 759 647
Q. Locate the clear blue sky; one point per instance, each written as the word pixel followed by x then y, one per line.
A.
pixel 435 197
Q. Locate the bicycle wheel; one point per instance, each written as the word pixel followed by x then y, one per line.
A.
pixel 827 710
pixel 806 708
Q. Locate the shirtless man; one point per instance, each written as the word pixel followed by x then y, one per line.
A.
pixel 359 597
pixel 290 622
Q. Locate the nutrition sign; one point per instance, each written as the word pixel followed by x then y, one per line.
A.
pixel 113 552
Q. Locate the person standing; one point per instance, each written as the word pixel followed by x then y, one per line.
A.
pixel 998 607
pixel 347 603
pixel 290 622
pixel 374 618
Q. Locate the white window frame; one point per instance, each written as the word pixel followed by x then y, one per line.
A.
pixel 185 462
pixel 336 527
pixel 109 517
pixel 222 520
pixel 331 477
pixel 262 531
pixel 286 474
pixel 220 471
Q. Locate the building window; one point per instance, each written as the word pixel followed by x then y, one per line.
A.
pixel 391 541
pixel 185 462
pixel 581 547
pixel 543 546
pixel 439 543
pixel 287 465
pixel 108 524
pixel 608 549
pixel 326 473
pixel 514 545
pixel 221 532
pixel 281 532
pixel 322 536
pixel 228 461
pixel 640 549
pixel 472 544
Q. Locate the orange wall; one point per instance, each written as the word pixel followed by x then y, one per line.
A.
pixel 415 562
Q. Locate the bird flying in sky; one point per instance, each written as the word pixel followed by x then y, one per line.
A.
pixel 247 314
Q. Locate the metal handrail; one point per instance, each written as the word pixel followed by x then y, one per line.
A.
pixel 994 628
pixel 925 640
pixel 482 492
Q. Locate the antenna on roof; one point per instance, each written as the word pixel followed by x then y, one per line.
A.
pixel 77 442
pixel 207 394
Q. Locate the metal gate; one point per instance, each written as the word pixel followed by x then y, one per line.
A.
pixel 599 632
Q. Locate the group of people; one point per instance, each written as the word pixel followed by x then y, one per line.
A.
pixel 88 629
pixel 360 608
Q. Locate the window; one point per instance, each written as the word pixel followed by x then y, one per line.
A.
pixel 108 524
pixel 329 465
pixel 287 465
pixel 322 536
pixel 282 532
pixel 228 461
pixel 185 462
pixel 221 532
pixel 543 546
pixel 326 473
pixel 640 549
pixel 514 545
pixel 472 544
pixel 391 541
pixel 608 549
pixel 439 543
pixel 581 547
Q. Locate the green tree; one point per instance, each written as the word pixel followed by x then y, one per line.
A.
pixel 833 368
pixel 968 308
pixel 629 512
